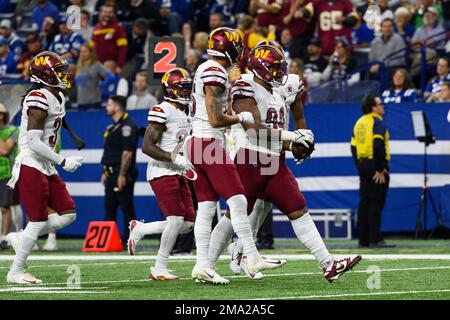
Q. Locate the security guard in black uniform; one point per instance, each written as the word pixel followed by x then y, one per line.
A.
pixel 119 163
pixel 370 150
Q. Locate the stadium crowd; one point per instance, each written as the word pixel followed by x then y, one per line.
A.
pixel 323 40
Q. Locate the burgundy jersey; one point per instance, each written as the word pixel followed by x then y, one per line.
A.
pixel 326 12
pixel 265 18
pixel 298 26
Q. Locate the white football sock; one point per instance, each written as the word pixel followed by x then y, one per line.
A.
pixel 56 222
pixel 259 213
pixel 307 233
pixel 156 227
pixel 220 237
pixel 188 226
pixel 29 238
pixel 202 230
pixel 17 217
pixel 168 239
pixel 241 225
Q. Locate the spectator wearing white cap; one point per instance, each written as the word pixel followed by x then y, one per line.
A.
pixel 432 36
pixel 403 25
pixel 15 44
pixel 7 63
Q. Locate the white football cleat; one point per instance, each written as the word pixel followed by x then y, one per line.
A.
pixel 35 247
pixel 134 237
pixel 51 244
pixel 236 256
pixel 264 264
pixel 161 275
pixel 13 239
pixel 207 275
pixel 21 278
pixel 253 276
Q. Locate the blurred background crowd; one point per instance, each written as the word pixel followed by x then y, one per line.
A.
pixel 337 44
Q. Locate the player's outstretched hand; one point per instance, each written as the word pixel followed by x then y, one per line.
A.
pixel 70 164
pixel 246 117
pixel 183 163
pixel 304 136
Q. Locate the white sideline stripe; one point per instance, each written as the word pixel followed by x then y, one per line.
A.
pixel 293 257
pixel 86 264
pixel 327 183
pixel 382 293
pixel 68 291
pixel 266 275
pixel 323 150
pixel 40 289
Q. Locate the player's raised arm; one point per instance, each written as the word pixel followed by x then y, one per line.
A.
pixel 298 112
pixel 217 118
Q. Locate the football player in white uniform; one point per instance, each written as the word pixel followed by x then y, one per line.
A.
pixel 34 172
pixel 291 92
pixel 280 187
pixel 217 174
pixel 168 126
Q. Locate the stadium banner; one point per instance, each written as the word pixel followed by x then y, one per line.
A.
pixel 328 180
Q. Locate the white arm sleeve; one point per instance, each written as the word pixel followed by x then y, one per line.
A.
pixel 34 139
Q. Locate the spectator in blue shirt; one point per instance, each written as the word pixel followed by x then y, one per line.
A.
pixel 113 84
pixel 403 25
pixel 67 43
pixel 402 89
pixel 442 76
pixel 7 63
pixel 44 9
pixel 362 36
pixel 225 8
pixel 16 45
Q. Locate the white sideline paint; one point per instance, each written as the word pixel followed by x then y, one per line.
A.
pixel 292 257
pixel 42 289
pixel 377 293
pixel 323 150
pixel 328 183
pixel 273 275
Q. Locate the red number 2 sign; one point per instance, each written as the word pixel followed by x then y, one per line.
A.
pixel 165 63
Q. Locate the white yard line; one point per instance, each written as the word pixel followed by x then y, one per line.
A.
pixel 94 264
pixel 375 293
pixel 110 257
pixel 266 275
pixel 53 290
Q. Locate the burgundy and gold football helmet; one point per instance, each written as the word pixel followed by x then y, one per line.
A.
pixel 225 43
pixel 50 69
pixel 177 86
pixel 269 64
